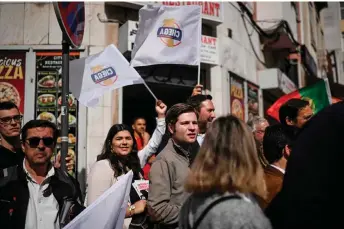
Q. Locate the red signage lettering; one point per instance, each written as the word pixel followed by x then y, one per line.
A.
pixel 208 8
pixel 209 40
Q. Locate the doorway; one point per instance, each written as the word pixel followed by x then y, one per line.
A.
pixel 138 102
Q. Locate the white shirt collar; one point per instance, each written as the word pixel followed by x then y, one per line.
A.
pixel 278 168
pixel 49 174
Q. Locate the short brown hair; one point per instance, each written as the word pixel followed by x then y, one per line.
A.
pixel 227 161
pixel 197 100
pixel 176 110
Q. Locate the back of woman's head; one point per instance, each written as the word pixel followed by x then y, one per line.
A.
pixel 227 160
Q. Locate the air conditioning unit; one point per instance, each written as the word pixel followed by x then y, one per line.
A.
pixel 127 34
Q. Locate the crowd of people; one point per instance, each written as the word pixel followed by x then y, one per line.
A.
pixel 203 171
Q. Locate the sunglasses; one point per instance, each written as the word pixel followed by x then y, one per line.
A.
pixel 34 141
pixel 8 120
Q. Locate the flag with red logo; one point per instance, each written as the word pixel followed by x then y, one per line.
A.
pixel 168 35
pixel 97 74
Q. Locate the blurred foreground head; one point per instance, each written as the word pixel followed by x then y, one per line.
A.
pixel 312 187
pixel 227 160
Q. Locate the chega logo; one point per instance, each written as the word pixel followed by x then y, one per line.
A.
pixel 103 75
pixel 170 33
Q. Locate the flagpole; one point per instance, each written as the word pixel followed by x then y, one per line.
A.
pixel 200 44
pixel 144 83
pixel 150 91
pixel 199 73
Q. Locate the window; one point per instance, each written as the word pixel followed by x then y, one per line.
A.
pixel 342 10
pixel 208 30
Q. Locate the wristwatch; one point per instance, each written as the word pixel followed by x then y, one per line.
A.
pixel 132 210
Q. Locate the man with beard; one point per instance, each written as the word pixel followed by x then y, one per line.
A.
pixel 10 145
pixel 204 106
pixel 257 126
pixel 141 136
pixel 34 193
pixel 168 172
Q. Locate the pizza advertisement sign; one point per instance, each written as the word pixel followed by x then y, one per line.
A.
pixel 252 100
pixel 12 78
pixel 237 99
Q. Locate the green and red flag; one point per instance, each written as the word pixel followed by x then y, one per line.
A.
pixel 318 95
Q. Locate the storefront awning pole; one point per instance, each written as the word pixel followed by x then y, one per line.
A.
pixel 64 105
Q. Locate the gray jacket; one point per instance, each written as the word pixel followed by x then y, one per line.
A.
pixel 241 213
pixel 166 190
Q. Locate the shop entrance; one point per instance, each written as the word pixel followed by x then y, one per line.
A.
pixel 138 102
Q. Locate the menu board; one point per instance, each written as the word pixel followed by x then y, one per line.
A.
pixel 237 97
pixel 253 102
pixel 48 96
pixel 12 78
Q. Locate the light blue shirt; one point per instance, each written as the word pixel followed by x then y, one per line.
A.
pixel 200 138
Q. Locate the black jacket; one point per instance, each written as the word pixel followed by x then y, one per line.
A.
pixel 312 191
pixel 14 196
pixel 9 158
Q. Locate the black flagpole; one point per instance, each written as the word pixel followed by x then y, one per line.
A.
pixel 64 105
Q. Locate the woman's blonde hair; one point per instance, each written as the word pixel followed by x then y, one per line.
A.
pixel 227 161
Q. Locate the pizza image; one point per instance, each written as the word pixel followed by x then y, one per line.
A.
pixel 237 109
pixel 9 93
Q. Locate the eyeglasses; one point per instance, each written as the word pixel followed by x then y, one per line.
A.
pixel 34 141
pixel 8 119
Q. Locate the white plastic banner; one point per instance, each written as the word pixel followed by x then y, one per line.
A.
pixel 168 35
pixel 97 74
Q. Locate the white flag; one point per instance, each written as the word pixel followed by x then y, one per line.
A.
pixel 97 74
pixel 168 35
pixel 108 211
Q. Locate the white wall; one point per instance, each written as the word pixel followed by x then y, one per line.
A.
pixel 332 31
pixel 236 53
pixel 36 24
pixel 272 12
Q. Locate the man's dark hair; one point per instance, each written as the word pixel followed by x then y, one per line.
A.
pixel 137 118
pixel 275 139
pixel 39 123
pixel 290 109
pixel 180 108
pixel 196 101
pixel 7 106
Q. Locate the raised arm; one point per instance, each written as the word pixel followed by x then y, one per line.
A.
pixel 156 138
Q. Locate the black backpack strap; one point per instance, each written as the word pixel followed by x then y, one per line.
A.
pixel 208 208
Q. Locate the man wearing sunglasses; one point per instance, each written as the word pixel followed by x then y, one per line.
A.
pixel 35 194
pixel 10 149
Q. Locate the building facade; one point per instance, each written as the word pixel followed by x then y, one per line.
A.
pixel 252 53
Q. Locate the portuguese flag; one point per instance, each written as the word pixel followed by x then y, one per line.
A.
pixel 318 95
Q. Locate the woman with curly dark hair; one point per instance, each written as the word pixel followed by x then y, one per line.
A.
pixel 119 155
